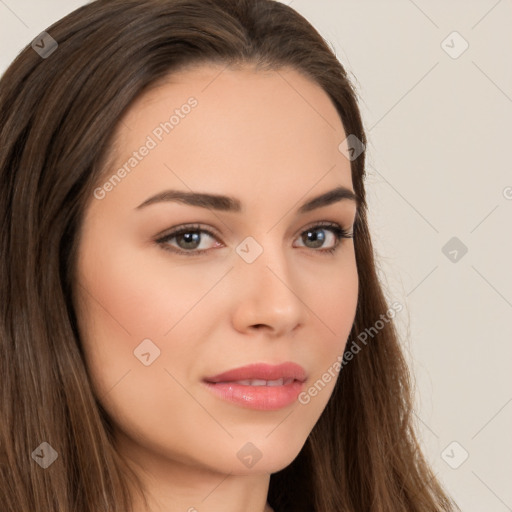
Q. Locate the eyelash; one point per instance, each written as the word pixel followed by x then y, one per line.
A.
pixel 335 228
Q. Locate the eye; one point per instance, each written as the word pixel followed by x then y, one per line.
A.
pixel 317 237
pixel 189 238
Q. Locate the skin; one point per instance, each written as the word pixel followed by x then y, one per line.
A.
pixel 271 140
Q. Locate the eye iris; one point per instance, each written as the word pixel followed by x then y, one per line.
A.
pixel 191 237
pixel 316 236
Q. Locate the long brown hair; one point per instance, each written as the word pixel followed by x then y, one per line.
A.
pixel 57 115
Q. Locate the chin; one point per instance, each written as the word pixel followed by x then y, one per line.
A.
pixel 262 456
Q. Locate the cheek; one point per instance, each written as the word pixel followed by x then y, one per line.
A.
pixel 339 300
pixel 135 296
pixel 333 306
pixel 334 302
pixel 123 300
pixel 128 295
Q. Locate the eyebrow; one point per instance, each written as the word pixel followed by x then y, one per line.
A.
pixel 231 204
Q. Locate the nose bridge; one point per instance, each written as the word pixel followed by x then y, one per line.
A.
pixel 267 287
pixel 264 259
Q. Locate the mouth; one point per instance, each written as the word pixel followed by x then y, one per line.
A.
pixel 259 386
pixel 261 373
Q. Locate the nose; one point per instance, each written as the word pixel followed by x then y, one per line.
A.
pixel 267 295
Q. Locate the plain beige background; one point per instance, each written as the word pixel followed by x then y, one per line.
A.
pixel 438 119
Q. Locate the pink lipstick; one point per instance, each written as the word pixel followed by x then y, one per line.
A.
pixel 259 386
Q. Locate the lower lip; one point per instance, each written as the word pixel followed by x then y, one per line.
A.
pixel 263 398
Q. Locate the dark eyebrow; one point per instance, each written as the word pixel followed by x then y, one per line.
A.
pixel 231 204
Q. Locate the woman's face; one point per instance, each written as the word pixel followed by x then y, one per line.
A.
pixel 244 283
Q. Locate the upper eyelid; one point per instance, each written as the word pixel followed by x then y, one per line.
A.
pixel 185 228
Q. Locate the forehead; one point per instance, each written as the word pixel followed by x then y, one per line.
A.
pixel 248 128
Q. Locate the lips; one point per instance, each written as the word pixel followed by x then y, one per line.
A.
pixel 262 387
pixel 262 375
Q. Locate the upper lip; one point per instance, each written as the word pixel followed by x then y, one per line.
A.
pixel 261 371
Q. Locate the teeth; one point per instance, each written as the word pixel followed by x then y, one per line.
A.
pixel 260 382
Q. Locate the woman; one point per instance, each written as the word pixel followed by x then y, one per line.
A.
pixel 194 319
